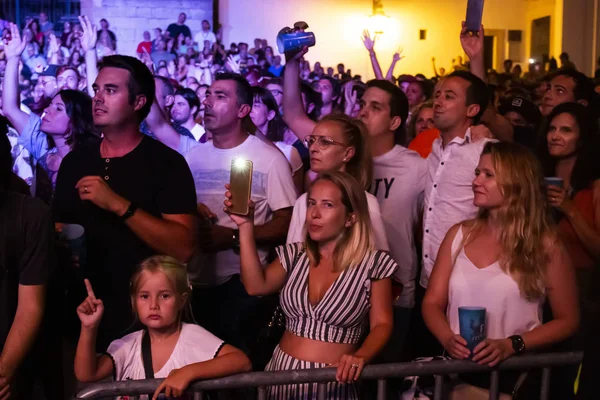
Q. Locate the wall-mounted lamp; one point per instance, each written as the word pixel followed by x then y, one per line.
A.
pixel 378 21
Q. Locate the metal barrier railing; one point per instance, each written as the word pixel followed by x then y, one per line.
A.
pixel 321 376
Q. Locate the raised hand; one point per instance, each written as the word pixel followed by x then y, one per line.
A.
pixel 398 55
pixel 14 47
pixel 351 97
pixel 472 43
pixel 53 44
pixel 368 42
pixel 89 35
pixel 238 219
pixel 234 65
pixel 91 310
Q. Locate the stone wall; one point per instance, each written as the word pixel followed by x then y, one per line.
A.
pixel 128 19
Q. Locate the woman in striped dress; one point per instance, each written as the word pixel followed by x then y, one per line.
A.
pixel 333 285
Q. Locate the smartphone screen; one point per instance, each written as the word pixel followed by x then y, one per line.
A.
pixel 474 15
pixel 240 185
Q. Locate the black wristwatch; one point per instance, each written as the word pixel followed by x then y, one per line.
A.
pixel 236 242
pixel 518 344
pixel 129 213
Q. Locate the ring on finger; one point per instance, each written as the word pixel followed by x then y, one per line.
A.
pixel 85 189
pixel 354 366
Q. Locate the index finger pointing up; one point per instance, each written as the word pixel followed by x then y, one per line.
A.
pixel 90 291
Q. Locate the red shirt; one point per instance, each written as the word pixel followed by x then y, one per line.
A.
pixel 144 46
pixel 423 141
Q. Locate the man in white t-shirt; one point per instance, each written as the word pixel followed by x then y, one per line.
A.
pixel 184 111
pixel 398 184
pixel 220 301
pixel 205 34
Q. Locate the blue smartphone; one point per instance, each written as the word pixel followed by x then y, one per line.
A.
pixel 474 15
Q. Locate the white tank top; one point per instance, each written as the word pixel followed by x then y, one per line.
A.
pixel 507 312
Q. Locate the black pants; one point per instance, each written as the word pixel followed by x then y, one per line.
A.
pixel 230 313
pixel 423 342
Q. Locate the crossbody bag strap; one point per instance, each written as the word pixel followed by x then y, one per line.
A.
pixel 147 355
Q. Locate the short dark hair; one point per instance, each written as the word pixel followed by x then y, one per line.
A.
pixel 191 97
pixel 64 68
pixel 584 87
pixel 398 101
pixel 335 84
pixel 169 87
pixel 243 88
pixel 564 55
pixel 141 81
pixel 314 98
pixel 477 92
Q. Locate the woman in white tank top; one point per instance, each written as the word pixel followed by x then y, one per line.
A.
pixel 508 260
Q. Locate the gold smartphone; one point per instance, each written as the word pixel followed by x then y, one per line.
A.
pixel 240 185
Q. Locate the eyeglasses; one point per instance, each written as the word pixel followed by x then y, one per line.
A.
pixel 322 141
pixel 276 92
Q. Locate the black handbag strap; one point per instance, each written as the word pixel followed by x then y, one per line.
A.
pixel 147 355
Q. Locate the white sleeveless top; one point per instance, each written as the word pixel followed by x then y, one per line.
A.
pixel 507 312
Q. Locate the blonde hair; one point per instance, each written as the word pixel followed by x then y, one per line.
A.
pixel 525 221
pixel 175 272
pixel 356 241
pixel 360 166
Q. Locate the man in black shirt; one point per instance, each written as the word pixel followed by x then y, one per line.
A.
pixel 26 263
pixel 134 196
pixel 179 27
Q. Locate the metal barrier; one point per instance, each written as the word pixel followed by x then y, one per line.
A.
pixel 321 376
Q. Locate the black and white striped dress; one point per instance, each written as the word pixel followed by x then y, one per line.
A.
pixel 340 317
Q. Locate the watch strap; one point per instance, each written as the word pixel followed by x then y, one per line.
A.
pixel 517 343
pixel 129 213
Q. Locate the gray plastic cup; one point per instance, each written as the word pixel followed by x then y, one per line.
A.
pixel 294 41
pixel 554 181
pixel 472 325
pixel 74 236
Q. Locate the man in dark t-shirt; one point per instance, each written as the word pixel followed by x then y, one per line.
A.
pixel 26 263
pixel 179 27
pixel 134 196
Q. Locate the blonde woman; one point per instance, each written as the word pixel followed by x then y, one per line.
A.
pixel 508 260
pixel 420 121
pixel 332 287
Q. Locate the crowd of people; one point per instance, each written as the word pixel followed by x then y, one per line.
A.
pixel 378 209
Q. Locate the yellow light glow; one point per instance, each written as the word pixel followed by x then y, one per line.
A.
pixel 239 164
pixel 378 24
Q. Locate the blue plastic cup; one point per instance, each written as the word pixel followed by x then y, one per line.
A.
pixel 554 181
pixel 74 236
pixel 294 41
pixel 472 325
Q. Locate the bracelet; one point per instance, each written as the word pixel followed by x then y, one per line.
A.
pixel 129 213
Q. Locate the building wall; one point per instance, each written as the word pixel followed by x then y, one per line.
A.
pixel 129 19
pixel 338 24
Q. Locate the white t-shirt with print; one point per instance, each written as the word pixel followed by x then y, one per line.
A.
pixel 272 189
pixel 399 179
pixel 195 344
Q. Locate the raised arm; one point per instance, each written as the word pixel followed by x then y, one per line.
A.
pixel 395 58
pixel 88 39
pixel 370 46
pixel 293 111
pixel 161 128
pixel 435 71
pixel 256 280
pixel 10 89
pixel 472 44
pixel 88 366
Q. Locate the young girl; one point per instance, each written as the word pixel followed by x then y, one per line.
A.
pixel 180 352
